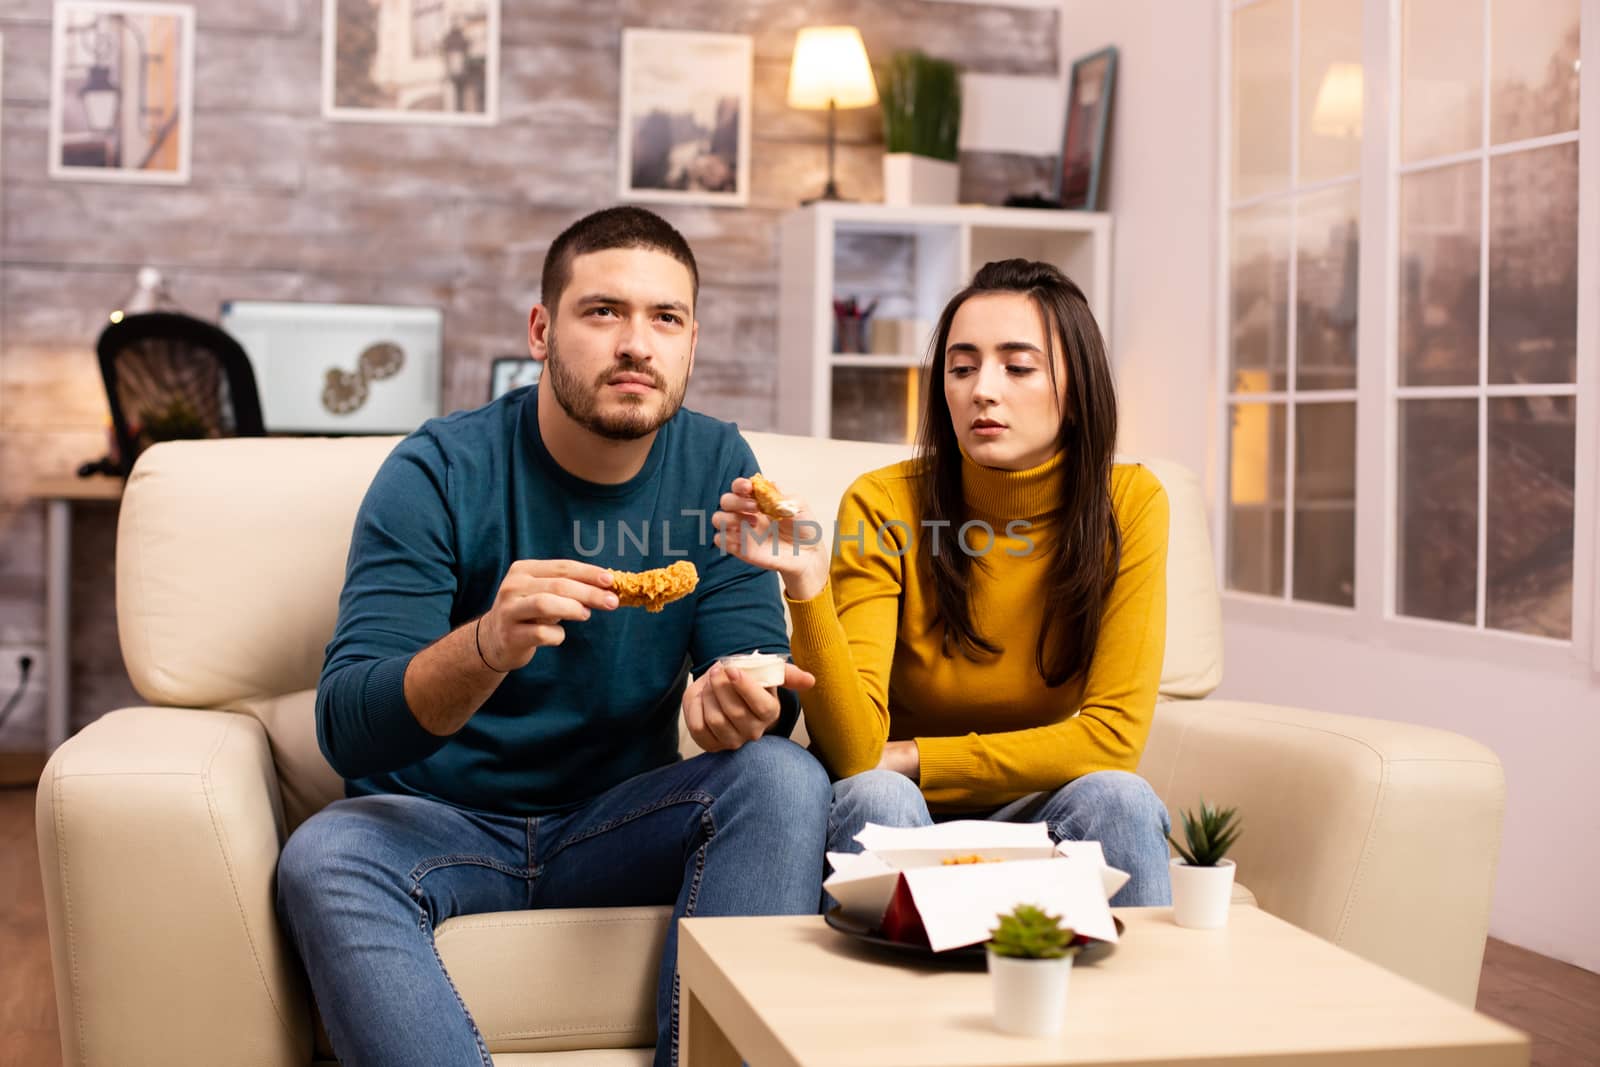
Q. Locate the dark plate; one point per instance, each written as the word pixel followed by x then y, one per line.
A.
pixel 967 956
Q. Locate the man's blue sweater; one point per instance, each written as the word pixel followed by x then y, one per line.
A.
pixel 450 510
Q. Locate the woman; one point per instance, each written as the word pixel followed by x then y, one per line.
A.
pixel 990 638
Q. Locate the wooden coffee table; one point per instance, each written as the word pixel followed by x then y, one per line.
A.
pixel 791 992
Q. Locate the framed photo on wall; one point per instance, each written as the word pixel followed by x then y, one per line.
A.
pixel 1088 119
pixel 121 91
pixel 685 128
pixel 512 372
pixel 411 61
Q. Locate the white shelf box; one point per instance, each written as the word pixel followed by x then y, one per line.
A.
pixel 910 260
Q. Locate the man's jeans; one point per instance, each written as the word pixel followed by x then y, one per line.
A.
pixel 363 885
pixel 1115 808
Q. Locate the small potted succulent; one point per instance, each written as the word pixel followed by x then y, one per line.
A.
pixel 921 101
pixel 1030 959
pixel 1202 880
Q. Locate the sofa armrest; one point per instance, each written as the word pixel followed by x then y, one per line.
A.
pixel 1379 836
pixel 159 833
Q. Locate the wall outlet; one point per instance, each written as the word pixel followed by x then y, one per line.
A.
pixel 24 726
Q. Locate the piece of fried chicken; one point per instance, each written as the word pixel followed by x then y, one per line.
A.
pixel 770 499
pixel 655 589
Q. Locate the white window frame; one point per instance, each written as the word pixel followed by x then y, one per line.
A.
pixel 1292 397
pixel 1373 620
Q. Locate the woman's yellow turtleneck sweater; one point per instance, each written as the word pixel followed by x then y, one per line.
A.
pixel 989 731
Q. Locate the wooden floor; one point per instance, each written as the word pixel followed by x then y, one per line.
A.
pixel 27 998
pixel 1558 1004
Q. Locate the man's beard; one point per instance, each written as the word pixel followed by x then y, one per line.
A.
pixel 582 402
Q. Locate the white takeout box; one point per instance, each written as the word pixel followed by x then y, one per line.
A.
pixel 958 904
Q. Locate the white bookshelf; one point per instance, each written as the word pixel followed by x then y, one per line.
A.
pixel 912 260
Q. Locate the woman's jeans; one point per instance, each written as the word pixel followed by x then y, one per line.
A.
pixel 1115 808
pixel 363 885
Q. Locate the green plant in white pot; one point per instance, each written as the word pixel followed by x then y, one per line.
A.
pixel 1030 959
pixel 921 101
pixel 1202 879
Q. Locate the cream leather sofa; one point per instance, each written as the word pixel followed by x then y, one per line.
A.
pixel 160 826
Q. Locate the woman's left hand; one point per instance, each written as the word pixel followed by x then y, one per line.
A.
pixel 901 757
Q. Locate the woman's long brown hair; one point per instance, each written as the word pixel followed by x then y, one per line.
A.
pixel 1087 545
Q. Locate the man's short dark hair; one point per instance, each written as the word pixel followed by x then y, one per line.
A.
pixel 613 227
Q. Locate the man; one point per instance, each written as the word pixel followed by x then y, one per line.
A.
pixel 507 733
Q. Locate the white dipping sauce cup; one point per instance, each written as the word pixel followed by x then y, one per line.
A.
pixel 764 668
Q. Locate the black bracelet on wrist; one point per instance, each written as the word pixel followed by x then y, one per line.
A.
pixel 477 641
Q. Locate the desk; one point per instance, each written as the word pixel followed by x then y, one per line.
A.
pixel 790 992
pixel 59 495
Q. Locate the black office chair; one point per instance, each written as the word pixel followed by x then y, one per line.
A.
pixel 169 376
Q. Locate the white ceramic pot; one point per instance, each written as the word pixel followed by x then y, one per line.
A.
pixel 913 179
pixel 1030 996
pixel 1201 896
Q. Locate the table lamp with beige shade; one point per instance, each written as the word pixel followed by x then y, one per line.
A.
pixel 1337 112
pixel 830 70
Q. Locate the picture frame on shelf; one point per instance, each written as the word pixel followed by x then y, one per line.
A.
pixel 1091 88
pixel 513 372
pixel 121 91
pixel 410 61
pixel 341 368
pixel 685 117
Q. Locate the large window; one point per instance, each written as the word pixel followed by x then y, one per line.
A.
pixel 1294 225
pixel 1474 385
pixel 1484 390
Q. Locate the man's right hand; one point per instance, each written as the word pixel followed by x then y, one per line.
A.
pixel 535 598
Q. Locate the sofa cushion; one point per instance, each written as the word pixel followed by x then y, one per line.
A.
pixel 558 979
pixel 541 983
pixel 305 780
pixel 1193 664
pixel 230 558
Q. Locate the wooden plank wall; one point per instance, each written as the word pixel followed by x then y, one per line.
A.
pixel 284 205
